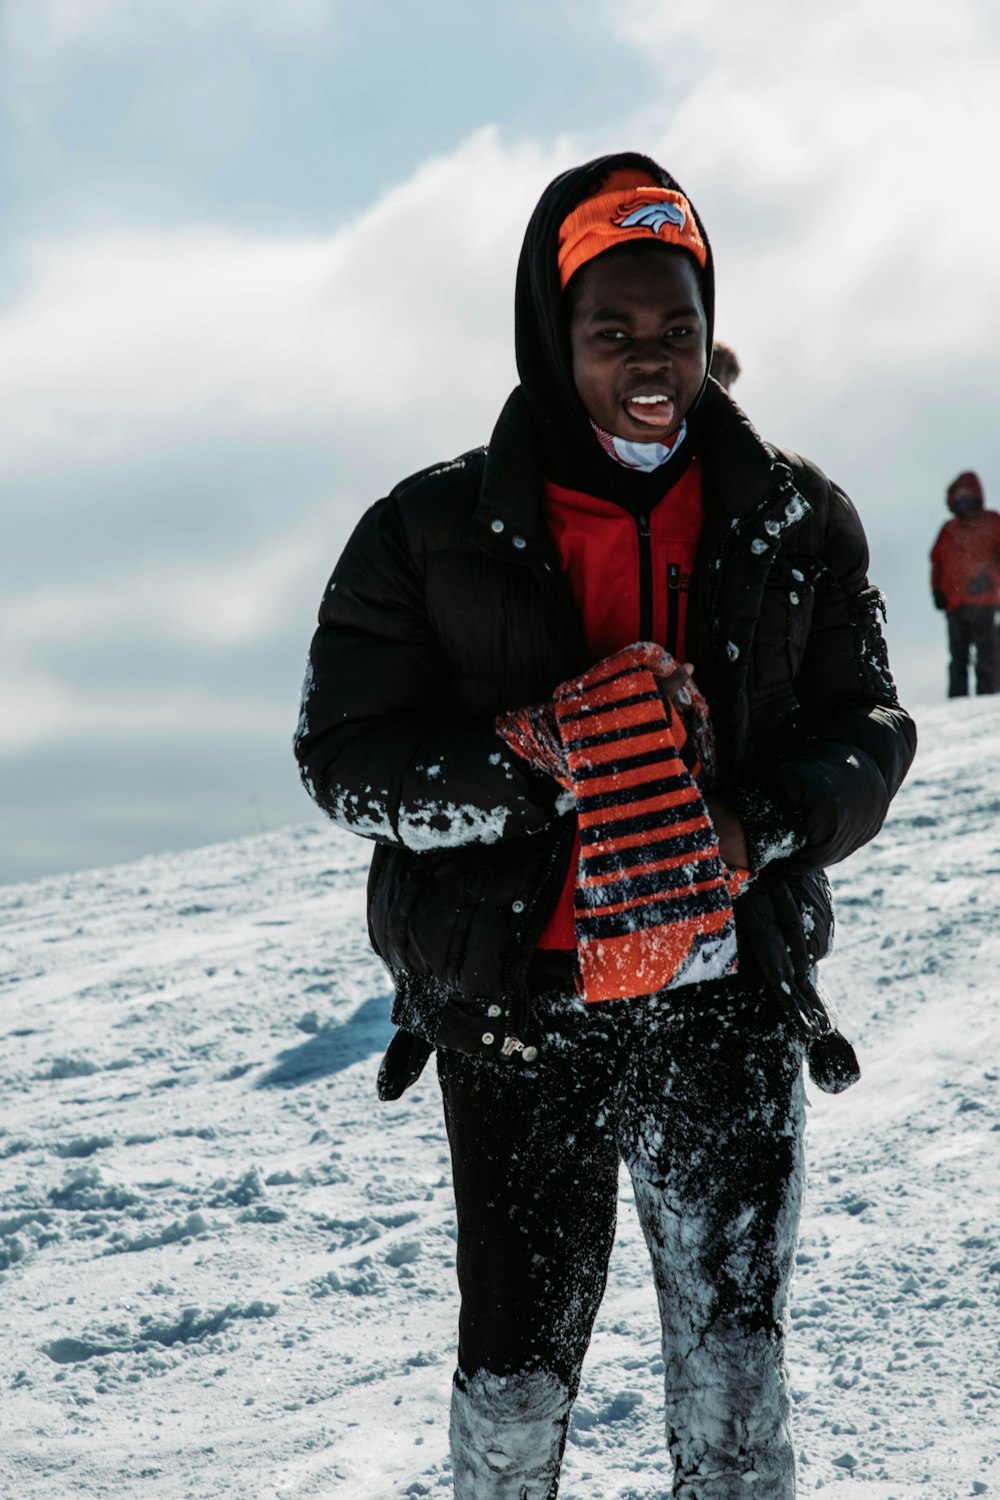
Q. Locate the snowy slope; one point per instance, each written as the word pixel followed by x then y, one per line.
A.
pixel 227 1270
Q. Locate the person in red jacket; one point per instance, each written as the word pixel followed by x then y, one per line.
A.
pixel 965 582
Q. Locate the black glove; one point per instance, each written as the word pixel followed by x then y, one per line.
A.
pixel 402 1064
pixel 769 924
pixel 940 602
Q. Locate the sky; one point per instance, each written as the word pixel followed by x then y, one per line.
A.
pixel 258 266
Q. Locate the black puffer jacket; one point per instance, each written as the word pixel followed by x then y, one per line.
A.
pixel 449 607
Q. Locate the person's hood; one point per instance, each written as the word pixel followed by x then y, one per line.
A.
pixel 968 482
pixel 570 451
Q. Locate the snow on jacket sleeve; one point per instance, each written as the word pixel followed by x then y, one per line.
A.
pixel 857 742
pixel 378 745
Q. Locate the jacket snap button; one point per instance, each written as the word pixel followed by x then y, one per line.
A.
pixel 529 1054
pixel 794 598
pixel 488 1039
pixel 496 526
pixel 773 528
pixel 493 1011
pixel 517 906
pixel 519 543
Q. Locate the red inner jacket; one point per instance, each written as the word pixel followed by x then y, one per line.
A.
pixel 599 546
pixel 968 552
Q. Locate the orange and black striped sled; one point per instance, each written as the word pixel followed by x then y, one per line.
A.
pixel 653 901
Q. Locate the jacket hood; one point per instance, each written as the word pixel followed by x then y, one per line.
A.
pixel 570 451
pixel 968 483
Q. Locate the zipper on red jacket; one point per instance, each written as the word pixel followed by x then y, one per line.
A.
pixel 645 580
pixel 673 605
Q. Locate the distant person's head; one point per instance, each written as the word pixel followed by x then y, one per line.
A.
pixel 965 496
pixel 725 367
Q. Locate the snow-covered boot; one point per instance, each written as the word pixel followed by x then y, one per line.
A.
pixel 507 1435
pixel 727 1420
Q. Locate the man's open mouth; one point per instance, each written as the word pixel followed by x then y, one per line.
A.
pixel 651 410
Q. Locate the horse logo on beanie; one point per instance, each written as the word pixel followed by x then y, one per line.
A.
pixel 621 211
pixel 652 216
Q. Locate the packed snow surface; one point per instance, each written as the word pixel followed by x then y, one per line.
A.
pixel 228 1271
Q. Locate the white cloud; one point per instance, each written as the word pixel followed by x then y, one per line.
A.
pixel 387 344
pixel 41 28
pixel 402 317
pixel 213 605
pixel 42 710
pixel 841 159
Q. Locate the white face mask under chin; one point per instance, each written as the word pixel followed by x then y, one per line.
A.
pixel 645 457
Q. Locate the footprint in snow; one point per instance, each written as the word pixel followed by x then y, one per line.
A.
pixel 81 1146
pixel 70 1067
pixel 190 1328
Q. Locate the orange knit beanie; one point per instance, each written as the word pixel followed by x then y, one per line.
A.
pixel 627 206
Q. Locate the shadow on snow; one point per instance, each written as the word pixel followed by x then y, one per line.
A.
pixel 335 1048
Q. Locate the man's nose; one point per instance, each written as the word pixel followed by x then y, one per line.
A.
pixel 648 354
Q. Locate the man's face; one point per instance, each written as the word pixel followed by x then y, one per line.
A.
pixel 637 332
pixel 965 504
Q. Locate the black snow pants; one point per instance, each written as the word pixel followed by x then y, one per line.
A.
pixel 974 628
pixel 702 1098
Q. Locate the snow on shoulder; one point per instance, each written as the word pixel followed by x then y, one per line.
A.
pixel 229 1271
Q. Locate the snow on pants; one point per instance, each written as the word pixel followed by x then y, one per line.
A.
pixel 974 628
pixel 703 1100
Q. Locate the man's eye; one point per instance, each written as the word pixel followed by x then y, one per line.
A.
pixel 612 333
pixel 680 333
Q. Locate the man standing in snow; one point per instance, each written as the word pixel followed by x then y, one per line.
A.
pixel 608 695
pixel 965 582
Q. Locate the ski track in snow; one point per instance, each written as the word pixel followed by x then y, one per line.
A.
pixel 227 1270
